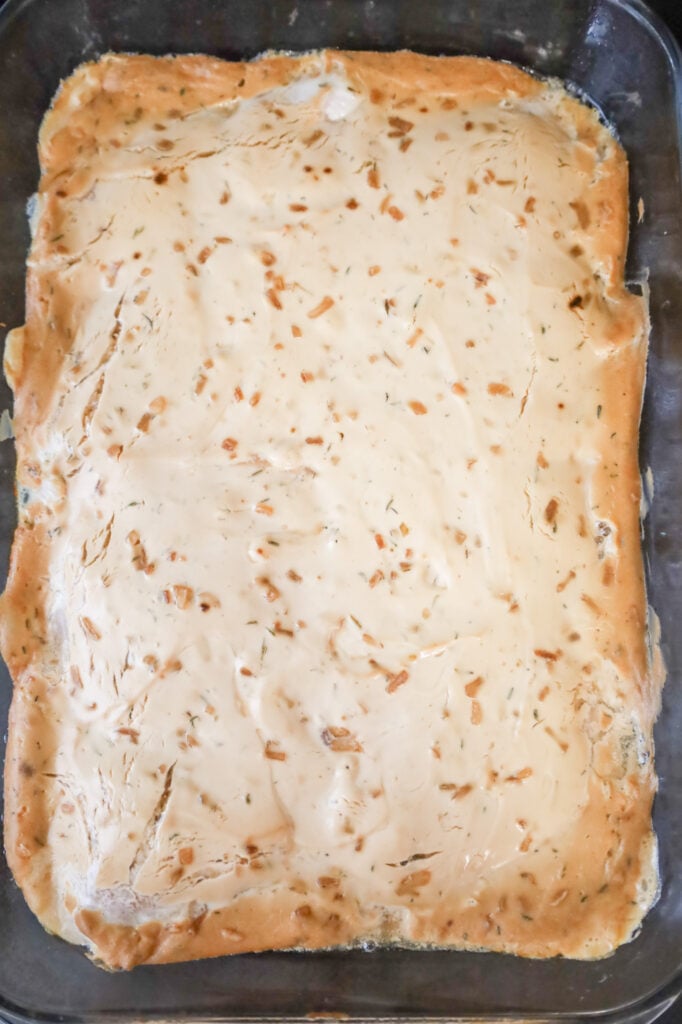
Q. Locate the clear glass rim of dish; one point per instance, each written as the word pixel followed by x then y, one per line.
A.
pixel 649 1004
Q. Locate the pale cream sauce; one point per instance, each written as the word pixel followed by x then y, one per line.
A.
pixel 320 461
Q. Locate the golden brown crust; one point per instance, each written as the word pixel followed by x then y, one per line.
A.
pixel 283 920
pixel 572 923
pixel 71 145
pixel 30 740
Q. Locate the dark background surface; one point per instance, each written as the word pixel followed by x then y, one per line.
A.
pixel 671 11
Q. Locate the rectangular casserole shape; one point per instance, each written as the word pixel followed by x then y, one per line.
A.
pixel 614 53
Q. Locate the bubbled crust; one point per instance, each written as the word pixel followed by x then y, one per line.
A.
pixel 574 912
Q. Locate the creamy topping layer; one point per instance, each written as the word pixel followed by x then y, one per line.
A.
pixel 328 565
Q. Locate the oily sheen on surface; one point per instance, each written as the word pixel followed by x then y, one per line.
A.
pixel 326 612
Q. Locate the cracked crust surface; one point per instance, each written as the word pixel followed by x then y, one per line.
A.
pixel 326 612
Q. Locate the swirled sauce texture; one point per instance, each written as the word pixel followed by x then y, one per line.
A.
pixel 326 613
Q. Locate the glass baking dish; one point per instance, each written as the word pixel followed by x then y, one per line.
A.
pixel 621 58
